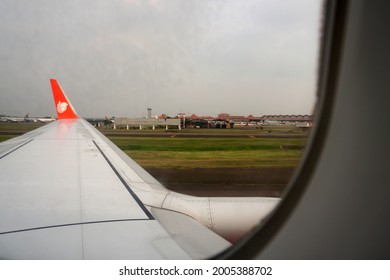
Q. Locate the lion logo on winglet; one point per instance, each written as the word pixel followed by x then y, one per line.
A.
pixel 61 107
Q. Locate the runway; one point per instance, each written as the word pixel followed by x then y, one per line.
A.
pixel 229 182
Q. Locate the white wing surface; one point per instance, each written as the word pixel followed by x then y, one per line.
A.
pixel 67 192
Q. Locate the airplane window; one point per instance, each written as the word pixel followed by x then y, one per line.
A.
pixel 215 99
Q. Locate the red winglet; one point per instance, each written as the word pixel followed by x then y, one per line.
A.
pixel 61 102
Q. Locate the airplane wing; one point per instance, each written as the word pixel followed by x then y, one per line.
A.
pixel 67 192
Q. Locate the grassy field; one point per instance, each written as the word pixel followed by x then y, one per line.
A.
pixel 209 162
pixel 19 126
pixel 198 152
pixel 182 153
pixel 6 137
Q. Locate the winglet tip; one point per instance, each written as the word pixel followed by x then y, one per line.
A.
pixel 63 107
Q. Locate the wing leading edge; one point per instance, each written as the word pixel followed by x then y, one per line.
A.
pixel 67 192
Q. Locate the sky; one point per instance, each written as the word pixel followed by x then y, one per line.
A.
pixel 120 57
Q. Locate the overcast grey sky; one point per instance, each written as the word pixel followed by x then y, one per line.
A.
pixel 119 57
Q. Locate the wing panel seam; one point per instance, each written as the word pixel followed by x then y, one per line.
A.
pixel 72 224
pixel 18 147
pixel 132 193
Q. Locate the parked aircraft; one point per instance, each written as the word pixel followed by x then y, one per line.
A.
pixel 27 118
pixel 100 121
pixel 93 202
pixel 18 119
pixel 269 122
pixel 45 119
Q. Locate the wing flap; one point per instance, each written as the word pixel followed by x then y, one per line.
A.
pixel 103 240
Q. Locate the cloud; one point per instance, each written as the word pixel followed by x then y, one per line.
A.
pixel 121 57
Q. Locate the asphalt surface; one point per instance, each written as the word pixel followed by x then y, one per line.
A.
pixel 225 182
